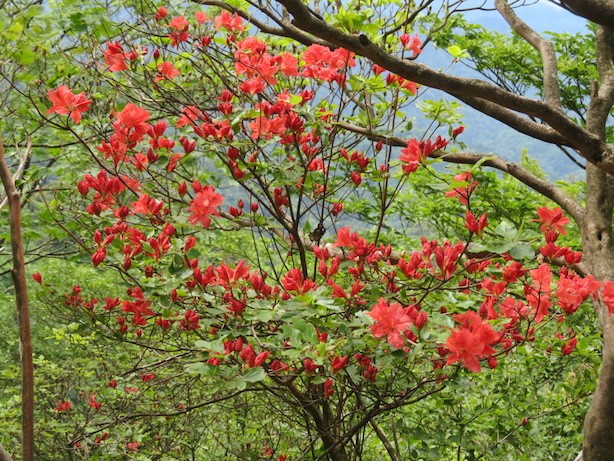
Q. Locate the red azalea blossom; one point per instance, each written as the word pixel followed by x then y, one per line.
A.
pixel 63 406
pixel 411 43
pixel 179 23
pixel 133 446
pixel 474 224
pixel 115 56
pixel 146 205
pixel 201 17
pixel 204 205
pixel 294 281
pixel 569 346
pixel 93 403
pixel 160 14
pixel 147 377
pixel 391 321
pixel 230 22
pixel 324 64
pixel 65 102
pixel 552 219
pixel 133 116
pixel 607 295
pixel 339 363
pixel 463 193
pixel 416 151
pixel 167 71
pixel 538 294
pixel 471 342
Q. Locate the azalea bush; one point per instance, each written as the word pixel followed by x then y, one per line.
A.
pixel 226 192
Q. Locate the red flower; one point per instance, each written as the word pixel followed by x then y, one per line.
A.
pixel 230 22
pixel 538 294
pixel 607 295
pixel 463 193
pixel 457 131
pixel 63 406
pixel 569 346
pixel 37 277
pixel 340 363
pixel 552 219
pixel 179 23
pixel 204 205
pixel 147 377
pixel 324 64
pixel 116 57
pixel 161 13
pixel 65 102
pixel 99 256
pixel 294 281
pixel 253 86
pixel 189 321
pixel 133 446
pixel 471 342
pixel 201 17
pixel 391 321
pixel 412 43
pixel 310 365
pixel 474 225
pixel 167 71
pixel 93 403
pixel 416 151
pixel 146 205
pixel 328 388
pixel 133 116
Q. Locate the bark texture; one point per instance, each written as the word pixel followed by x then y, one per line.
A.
pixel 18 274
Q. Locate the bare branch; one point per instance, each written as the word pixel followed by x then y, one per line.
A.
pixel 23 159
pixel 552 92
pixel 514 120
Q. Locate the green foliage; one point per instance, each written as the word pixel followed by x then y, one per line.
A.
pixel 168 399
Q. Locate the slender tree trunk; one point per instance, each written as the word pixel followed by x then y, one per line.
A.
pixel 21 298
pixel 599 254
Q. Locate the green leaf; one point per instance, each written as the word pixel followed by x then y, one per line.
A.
pixel 521 251
pixel 198 368
pixel 457 52
pixel 26 56
pixel 506 230
pixel 254 375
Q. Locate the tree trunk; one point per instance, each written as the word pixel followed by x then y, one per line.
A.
pixel 599 255
pixel 4 455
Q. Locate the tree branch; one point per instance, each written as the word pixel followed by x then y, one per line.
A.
pixel 591 147
pixel 514 120
pixel 552 92
pixel 546 188
pixel 23 159
pixel 597 11
pixel 4 455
